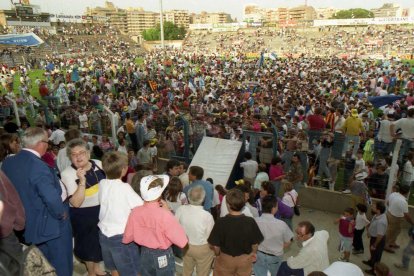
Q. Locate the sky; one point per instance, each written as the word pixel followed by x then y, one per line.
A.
pixel 234 7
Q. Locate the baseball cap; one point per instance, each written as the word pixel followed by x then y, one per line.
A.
pixel 148 194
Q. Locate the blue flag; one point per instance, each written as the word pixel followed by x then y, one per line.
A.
pixel 384 100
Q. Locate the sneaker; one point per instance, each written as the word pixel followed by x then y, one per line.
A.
pixel 367 263
pixel 356 252
pixel 342 259
pixel 347 191
pixel 401 267
pixel 317 178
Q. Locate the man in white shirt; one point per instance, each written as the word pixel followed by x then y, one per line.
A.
pixel 314 254
pixel 57 136
pixel 407 127
pixel 250 168
pixel 277 236
pixel 385 135
pixel 396 213
pixel 197 224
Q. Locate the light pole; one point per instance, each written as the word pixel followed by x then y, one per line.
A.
pixel 161 25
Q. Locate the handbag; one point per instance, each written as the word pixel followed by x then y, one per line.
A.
pixel 296 209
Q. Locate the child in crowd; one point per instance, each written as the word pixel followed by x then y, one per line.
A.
pixel 361 222
pixel 175 196
pixel 369 148
pixel 154 228
pixel 117 199
pixel 359 162
pixel 235 238
pixel 346 233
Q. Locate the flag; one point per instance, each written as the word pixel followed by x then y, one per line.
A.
pixel 153 85
pixel 383 100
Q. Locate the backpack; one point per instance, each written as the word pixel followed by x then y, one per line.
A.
pixel 31 263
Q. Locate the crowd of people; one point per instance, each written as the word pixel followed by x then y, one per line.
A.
pixel 315 112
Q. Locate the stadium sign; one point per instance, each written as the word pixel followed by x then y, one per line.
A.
pixel 364 21
pixel 29 39
pixel 76 18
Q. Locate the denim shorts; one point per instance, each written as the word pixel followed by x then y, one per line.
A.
pixel 345 244
pixel 125 258
pixel 157 262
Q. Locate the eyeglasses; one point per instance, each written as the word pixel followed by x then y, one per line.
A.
pixel 78 154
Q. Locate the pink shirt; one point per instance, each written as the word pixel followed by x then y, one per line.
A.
pixel 275 171
pixel 154 227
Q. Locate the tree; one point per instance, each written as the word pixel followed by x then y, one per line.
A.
pixel 353 13
pixel 171 32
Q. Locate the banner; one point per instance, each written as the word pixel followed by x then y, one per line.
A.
pixel 364 21
pixel 29 39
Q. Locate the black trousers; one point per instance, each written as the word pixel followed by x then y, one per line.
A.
pixel 11 254
pixel 358 243
pixel 377 253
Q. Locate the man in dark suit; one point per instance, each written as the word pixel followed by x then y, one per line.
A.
pixel 47 223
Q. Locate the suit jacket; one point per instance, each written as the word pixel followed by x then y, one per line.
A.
pixel 40 192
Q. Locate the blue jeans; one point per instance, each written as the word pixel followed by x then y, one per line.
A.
pixel 157 262
pixel 405 148
pixel 338 145
pixel 288 221
pixel 276 184
pixel 287 160
pixel 314 135
pixel 323 162
pixel 265 263
pixel 123 258
pixel 285 270
pixel 304 163
pixel 351 138
pixel 408 253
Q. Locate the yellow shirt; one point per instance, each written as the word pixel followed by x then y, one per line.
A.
pixel 353 126
pixel 130 126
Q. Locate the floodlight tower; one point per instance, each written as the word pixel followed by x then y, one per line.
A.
pixel 161 25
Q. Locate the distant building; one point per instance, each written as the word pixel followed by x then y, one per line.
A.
pixel 116 17
pixel 139 20
pixel 388 10
pixel 24 15
pixel 210 18
pixel 253 13
pixel 325 13
pixel 178 17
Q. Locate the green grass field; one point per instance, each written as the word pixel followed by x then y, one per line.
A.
pixel 33 75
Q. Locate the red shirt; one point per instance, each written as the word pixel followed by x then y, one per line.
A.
pixel 43 90
pixel 316 122
pixel 344 227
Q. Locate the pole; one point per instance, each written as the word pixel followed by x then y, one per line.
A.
pixel 393 172
pixel 112 118
pixel 162 25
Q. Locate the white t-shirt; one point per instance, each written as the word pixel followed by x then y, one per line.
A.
pixel 408 172
pixel 117 199
pixel 57 136
pixel 69 178
pixel 197 223
pixel 216 198
pixel 260 178
pixel 397 205
pixel 287 198
pixel 224 211
pixel 361 221
pixel 407 127
pixel 250 168
pixel 343 269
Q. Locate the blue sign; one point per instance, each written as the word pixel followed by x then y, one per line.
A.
pixel 29 39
